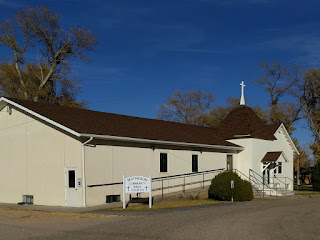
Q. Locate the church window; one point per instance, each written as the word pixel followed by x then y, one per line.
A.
pixel 194 163
pixel 279 168
pixel 229 162
pixel 163 162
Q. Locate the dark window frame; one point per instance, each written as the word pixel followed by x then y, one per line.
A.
pixel 279 168
pixel 195 163
pixel 72 178
pixel 229 162
pixel 163 162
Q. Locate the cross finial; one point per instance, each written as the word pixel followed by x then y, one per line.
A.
pixel 242 101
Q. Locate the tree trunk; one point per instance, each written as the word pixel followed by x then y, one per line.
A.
pixel 44 81
pixel 21 81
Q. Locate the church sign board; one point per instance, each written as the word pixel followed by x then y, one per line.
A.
pixel 137 184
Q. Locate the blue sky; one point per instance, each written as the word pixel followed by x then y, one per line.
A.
pixel 149 48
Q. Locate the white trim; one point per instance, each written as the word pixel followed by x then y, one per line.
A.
pixel 66 171
pixel 141 140
pixel 243 135
pixel 232 162
pixel 117 138
pixel 265 166
pixel 277 167
pixel 84 180
pixel 287 135
pixel 284 156
pixel 40 116
pixel 166 172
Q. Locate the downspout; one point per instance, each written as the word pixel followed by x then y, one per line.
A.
pixel 84 183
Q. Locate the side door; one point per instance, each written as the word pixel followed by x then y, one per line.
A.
pixel 71 193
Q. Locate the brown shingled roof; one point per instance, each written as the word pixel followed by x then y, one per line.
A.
pixel 92 122
pixel 273 127
pixel 271 157
pixel 244 122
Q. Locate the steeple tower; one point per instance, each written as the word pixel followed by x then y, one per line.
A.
pixel 242 101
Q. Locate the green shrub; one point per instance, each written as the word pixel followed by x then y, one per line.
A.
pixel 316 177
pixel 220 188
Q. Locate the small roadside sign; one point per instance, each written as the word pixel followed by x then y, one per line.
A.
pixel 232 184
pixel 137 184
pixel 232 187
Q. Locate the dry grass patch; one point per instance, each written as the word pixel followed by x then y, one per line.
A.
pixel 27 213
pixel 168 205
pixel 306 192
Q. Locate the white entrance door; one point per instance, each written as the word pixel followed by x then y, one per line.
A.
pixel 71 187
pixel 266 176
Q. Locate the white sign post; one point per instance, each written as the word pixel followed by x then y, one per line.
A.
pixel 137 184
pixel 232 187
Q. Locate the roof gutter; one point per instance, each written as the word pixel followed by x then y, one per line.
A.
pixel 84 182
pixel 141 140
pixel 116 138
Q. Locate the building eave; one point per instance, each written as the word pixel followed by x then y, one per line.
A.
pixel 287 135
pixel 58 125
pixel 160 142
pixel 117 138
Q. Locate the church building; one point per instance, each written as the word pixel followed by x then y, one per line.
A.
pixel 61 156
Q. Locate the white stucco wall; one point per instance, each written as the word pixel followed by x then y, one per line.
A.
pixel 35 156
pixel 33 159
pixel 107 164
pixel 255 149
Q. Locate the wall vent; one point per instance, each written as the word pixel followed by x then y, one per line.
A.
pixel 112 198
pixel 28 199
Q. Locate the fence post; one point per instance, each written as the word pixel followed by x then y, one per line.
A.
pixel 184 186
pixel 285 182
pixel 162 188
pixel 263 187
pixel 203 181
pixel 124 192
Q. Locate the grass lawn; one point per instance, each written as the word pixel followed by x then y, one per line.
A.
pixel 304 190
pixel 168 205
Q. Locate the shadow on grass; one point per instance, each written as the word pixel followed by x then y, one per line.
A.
pixel 169 205
pixel 304 189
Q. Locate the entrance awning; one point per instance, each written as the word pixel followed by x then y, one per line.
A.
pixel 271 157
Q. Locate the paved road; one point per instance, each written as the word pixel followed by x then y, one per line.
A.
pixel 269 219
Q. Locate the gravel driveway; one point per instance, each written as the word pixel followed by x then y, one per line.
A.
pixel 292 218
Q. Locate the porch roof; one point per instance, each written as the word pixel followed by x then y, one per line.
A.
pixel 271 157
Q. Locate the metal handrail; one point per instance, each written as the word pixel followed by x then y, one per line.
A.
pixel 256 188
pixel 250 170
pixel 165 178
pixel 286 178
pixel 180 185
pixel 186 175
pixel 184 184
pixel 278 178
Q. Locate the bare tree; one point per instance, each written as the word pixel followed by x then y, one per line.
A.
pixel 311 97
pixel 219 113
pixel 281 83
pixel 279 80
pixel 39 27
pixel 190 107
